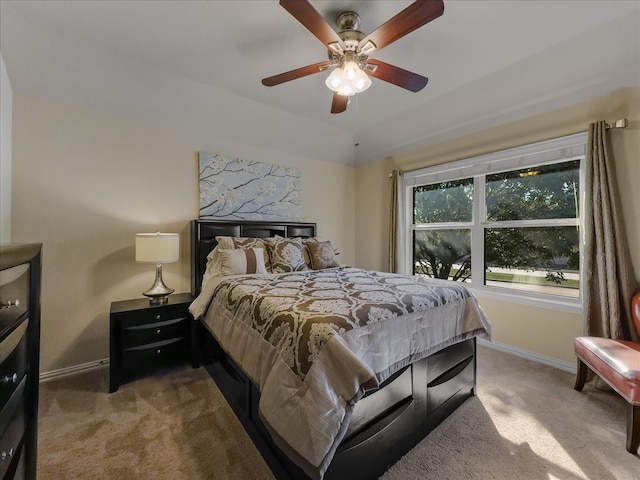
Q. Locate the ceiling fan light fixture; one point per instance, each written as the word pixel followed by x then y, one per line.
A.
pixel 349 49
pixel 348 79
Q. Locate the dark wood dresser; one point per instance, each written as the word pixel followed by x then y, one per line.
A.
pixel 20 277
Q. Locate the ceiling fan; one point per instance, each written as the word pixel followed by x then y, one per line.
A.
pixel 349 49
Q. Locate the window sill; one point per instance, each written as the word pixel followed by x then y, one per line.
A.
pixel 552 302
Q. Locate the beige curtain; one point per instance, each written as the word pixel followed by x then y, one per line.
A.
pixel 393 222
pixel 610 281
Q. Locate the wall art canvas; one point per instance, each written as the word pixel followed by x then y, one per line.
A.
pixel 231 188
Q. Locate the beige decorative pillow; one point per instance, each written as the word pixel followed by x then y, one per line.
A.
pixel 322 255
pixel 305 249
pixel 225 242
pixel 285 254
pixel 246 242
pixel 241 261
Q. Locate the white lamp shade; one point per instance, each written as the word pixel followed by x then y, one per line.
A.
pixel 157 247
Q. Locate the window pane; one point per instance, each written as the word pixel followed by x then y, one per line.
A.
pixel 549 191
pixel 442 254
pixel 443 202
pixel 537 259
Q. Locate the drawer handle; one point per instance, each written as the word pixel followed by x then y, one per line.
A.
pixel 9 303
pixel 10 378
pixel 8 454
pixel 157 317
pixel 158 331
pixel 158 352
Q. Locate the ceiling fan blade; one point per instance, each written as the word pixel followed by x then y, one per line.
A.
pixel 311 19
pixel 339 103
pixel 416 15
pixel 396 75
pixel 297 73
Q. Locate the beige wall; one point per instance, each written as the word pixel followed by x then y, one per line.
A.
pixel 84 183
pixel 542 331
pixel 6 108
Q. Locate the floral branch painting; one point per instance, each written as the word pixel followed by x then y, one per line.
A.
pixel 232 188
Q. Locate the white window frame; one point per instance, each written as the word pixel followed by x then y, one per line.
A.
pixel 572 147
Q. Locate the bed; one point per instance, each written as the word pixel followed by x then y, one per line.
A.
pixel 338 381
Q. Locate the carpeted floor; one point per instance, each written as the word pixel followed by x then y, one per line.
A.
pixel 526 423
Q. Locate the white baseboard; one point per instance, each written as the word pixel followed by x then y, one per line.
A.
pixel 73 370
pixel 536 357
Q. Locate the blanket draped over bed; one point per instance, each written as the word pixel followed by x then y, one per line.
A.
pixel 314 342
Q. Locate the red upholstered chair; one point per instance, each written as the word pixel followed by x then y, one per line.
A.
pixel 617 362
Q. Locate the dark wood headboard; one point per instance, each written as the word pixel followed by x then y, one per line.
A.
pixel 204 232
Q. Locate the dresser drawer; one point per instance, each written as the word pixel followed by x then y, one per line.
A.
pixel 13 425
pixel 14 294
pixel 13 361
pixel 154 332
pixel 18 469
pixel 15 468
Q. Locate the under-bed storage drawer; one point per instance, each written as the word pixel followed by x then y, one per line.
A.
pixel 447 358
pixel 392 394
pixel 448 371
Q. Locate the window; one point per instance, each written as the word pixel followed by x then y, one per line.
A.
pixel 506 223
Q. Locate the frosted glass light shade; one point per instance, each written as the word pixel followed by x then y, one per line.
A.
pixel 157 247
pixel 348 79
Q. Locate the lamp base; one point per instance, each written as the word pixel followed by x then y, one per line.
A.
pixel 158 293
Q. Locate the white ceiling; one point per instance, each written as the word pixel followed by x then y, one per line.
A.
pixel 488 63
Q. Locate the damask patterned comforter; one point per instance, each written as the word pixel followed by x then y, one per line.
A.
pixel 314 341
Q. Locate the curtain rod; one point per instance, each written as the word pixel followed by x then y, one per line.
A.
pixel 622 123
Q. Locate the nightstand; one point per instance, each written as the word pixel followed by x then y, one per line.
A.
pixel 144 337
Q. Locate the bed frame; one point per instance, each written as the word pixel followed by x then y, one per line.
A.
pixel 386 423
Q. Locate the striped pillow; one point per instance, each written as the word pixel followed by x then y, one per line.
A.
pixel 241 261
pixel 246 242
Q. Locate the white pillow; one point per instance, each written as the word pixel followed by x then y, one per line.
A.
pixel 241 261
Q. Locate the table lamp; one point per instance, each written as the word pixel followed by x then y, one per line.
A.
pixel 158 248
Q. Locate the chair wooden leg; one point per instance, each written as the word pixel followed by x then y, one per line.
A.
pixel 633 429
pixel 581 375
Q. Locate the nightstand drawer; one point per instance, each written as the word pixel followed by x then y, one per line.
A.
pixel 13 424
pixel 14 294
pixel 154 332
pixel 152 353
pixel 13 358
pixel 161 314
